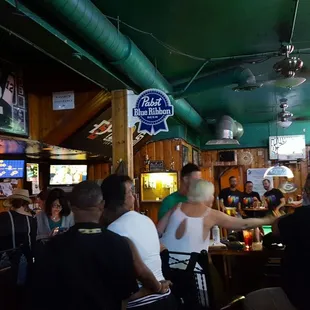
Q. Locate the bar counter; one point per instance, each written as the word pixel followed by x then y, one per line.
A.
pixel 244 271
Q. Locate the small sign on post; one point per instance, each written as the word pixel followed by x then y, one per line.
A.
pixel 63 100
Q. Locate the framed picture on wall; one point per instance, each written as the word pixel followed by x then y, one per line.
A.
pixel 13 103
pixel 199 159
pixel 195 157
pixel 184 155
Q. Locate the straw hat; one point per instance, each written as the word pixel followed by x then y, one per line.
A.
pixel 18 193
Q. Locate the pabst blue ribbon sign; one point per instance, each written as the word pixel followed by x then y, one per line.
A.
pixel 152 108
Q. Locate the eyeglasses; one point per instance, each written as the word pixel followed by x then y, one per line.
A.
pixel 57 206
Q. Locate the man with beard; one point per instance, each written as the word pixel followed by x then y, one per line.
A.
pixel 231 196
pixel 273 196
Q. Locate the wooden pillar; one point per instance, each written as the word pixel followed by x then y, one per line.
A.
pixel 122 143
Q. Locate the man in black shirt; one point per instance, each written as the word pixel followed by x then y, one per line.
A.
pixel 231 196
pixel 87 267
pixel 294 233
pixel 273 196
pixel 249 197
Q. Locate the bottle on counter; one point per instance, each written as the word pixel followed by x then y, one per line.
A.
pixel 216 235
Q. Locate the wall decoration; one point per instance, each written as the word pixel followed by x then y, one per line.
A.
pixel 13 104
pixel 256 176
pixel 152 109
pixel 199 159
pixel 96 135
pixel 184 155
pixel 195 157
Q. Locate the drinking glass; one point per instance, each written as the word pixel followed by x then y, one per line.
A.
pixel 248 238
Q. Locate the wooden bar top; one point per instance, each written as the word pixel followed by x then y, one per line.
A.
pixel 215 250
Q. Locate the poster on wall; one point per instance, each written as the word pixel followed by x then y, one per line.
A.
pixel 184 155
pixel 96 136
pixel 195 156
pixel 6 189
pixel 13 105
pixel 256 176
pixel 32 170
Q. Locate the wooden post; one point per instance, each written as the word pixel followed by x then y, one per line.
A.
pixel 122 143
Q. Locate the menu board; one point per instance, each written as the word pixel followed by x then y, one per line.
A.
pixel 256 176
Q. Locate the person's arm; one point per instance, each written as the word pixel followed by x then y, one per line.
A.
pixel 71 220
pixel 229 222
pixel 258 197
pixel 145 276
pixel 163 222
pixel 164 208
pixel 282 203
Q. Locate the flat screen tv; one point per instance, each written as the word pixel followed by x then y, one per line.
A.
pixel 67 174
pixel 12 169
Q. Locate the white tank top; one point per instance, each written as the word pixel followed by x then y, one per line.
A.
pixel 193 237
pixel 142 232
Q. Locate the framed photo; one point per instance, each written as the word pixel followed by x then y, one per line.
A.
pixel 13 102
pixel 184 155
pixel 19 120
pixel 195 157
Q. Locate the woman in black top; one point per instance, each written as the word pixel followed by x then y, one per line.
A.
pixel 18 227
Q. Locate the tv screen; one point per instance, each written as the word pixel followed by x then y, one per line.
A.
pixel 12 169
pixel 67 174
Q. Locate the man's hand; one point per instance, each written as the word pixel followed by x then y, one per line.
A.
pixel 165 285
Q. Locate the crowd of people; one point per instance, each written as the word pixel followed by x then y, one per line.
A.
pixel 92 251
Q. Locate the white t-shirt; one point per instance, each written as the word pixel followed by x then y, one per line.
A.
pixel 142 232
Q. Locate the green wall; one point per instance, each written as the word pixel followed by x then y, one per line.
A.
pixel 257 135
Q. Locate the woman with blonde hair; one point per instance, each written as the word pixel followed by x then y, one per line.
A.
pixel 186 228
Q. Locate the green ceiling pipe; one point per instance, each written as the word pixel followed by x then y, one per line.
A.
pixel 85 19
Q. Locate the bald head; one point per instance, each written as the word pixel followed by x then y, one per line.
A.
pixel 85 195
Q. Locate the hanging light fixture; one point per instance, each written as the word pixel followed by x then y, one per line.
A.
pixel 279 171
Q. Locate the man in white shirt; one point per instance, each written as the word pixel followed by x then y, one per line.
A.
pixel 118 203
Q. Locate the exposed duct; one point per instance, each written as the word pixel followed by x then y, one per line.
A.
pixel 87 21
pixel 243 77
pixel 228 132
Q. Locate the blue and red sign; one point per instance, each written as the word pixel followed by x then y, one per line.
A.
pixel 153 107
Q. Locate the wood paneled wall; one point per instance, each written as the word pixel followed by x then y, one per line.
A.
pixel 98 171
pixel 168 151
pixel 43 119
pixel 260 160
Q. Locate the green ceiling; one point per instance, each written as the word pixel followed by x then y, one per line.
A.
pixel 213 29
pixel 166 30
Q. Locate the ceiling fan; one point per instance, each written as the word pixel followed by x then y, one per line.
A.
pixel 285 117
pixel 285 71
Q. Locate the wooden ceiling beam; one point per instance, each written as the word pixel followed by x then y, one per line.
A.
pixel 79 116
